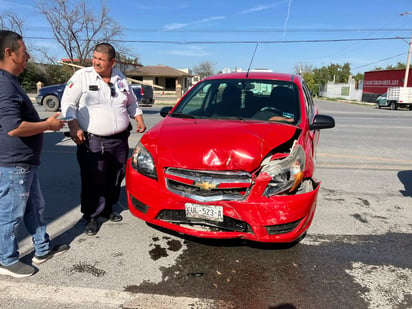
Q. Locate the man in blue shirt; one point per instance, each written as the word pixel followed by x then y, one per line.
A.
pixel 21 142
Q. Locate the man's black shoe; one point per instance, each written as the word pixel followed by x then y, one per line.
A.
pixel 91 227
pixel 17 270
pixel 115 217
pixel 55 251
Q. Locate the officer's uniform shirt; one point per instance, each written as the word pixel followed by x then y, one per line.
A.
pixel 99 109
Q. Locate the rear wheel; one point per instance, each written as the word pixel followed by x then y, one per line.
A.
pixel 51 103
pixel 393 105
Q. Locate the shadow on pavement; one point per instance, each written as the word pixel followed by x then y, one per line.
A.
pixel 60 182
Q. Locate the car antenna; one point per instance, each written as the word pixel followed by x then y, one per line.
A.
pixel 251 60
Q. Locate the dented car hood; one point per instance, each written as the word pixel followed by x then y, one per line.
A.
pixel 214 144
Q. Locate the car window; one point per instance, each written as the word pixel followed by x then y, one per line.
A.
pixel 246 99
pixel 309 102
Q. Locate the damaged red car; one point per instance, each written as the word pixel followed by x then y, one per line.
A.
pixel 234 158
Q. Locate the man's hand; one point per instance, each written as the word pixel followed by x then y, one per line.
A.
pixel 76 134
pixel 55 124
pixel 141 127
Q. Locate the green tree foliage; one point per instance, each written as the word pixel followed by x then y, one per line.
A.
pixel 308 75
pixel 309 78
pixel 333 72
pixel 57 74
pixel 48 74
pixel 359 77
pixel 398 66
pixel 31 76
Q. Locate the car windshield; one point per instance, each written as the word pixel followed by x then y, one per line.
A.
pixel 246 99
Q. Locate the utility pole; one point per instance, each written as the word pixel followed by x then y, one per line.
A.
pixel 408 62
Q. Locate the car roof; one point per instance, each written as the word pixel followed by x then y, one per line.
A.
pixel 259 75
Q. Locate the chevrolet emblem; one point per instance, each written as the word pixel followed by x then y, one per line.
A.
pixel 206 185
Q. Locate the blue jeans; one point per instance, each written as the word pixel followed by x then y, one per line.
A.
pixel 21 199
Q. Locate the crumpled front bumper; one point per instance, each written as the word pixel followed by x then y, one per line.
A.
pixel 282 219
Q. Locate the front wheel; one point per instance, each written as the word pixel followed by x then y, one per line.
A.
pixel 377 106
pixel 51 103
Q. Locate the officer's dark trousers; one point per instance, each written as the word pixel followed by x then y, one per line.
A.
pixel 102 162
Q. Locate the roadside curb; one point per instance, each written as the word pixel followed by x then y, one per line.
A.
pixel 356 102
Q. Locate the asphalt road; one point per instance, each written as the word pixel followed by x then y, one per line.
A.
pixel 357 253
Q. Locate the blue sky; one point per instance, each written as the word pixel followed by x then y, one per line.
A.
pixel 182 33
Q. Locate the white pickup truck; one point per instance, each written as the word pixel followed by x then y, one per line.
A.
pixel 396 97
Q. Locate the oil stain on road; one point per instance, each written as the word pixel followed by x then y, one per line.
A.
pixel 320 272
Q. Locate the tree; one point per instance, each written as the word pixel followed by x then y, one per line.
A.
pixel 76 28
pixel 309 78
pixel 30 76
pixel 9 20
pixel 334 72
pixel 303 68
pixel 204 69
pixel 57 74
pixel 398 66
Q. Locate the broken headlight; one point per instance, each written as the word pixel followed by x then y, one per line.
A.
pixel 142 162
pixel 286 173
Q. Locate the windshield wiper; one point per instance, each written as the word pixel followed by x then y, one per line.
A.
pixel 182 115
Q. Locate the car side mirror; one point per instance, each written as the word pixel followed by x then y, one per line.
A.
pixel 164 111
pixel 322 122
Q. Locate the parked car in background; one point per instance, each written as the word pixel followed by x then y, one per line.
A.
pixel 50 97
pixel 144 94
pixel 234 158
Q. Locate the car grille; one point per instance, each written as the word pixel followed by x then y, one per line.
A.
pixel 208 186
pixel 228 224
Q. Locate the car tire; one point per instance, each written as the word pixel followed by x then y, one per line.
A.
pixel 377 106
pixel 51 103
pixel 393 106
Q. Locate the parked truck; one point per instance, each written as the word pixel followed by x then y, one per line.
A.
pixel 396 97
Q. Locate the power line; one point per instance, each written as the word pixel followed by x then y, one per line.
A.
pixel 249 30
pixel 365 65
pixel 241 42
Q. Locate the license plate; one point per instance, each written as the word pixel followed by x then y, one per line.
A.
pixel 207 212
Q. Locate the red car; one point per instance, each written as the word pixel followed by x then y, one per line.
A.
pixel 234 158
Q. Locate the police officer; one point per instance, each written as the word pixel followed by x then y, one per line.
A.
pixel 100 102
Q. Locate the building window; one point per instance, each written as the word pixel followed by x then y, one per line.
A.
pixel 170 84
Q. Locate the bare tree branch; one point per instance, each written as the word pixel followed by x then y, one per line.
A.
pixel 204 69
pixel 78 29
pixel 9 20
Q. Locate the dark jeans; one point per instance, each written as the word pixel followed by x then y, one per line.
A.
pixel 102 162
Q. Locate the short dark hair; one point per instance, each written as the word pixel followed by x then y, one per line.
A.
pixel 9 39
pixel 106 48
